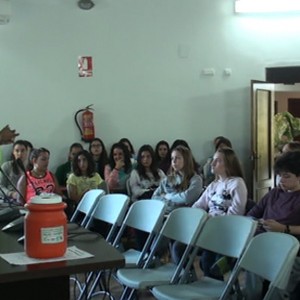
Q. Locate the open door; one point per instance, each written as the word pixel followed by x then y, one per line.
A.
pixel 262 103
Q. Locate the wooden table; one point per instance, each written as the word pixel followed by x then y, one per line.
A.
pixel 51 280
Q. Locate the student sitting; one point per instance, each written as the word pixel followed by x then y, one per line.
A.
pixel 118 169
pixel 98 151
pixel 146 177
pixel 279 211
pixel 182 187
pixel 12 170
pixel 162 155
pixel 83 178
pixel 38 179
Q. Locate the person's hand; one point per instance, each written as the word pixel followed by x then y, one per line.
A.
pixel 119 164
pixel 272 225
pixel 7 135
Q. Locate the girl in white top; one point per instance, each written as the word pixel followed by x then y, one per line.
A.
pixel 145 178
pixel 226 195
pixel 182 186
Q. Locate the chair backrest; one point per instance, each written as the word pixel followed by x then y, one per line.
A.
pixel 86 205
pixel 231 234
pixel 146 215
pixel 104 186
pixel 270 255
pixel 110 209
pixel 184 225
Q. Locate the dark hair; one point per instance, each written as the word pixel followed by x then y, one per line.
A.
pixel 125 140
pixel 217 138
pixel 179 142
pixel 188 168
pixel 75 145
pixel 91 164
pixel 293 146
pixel 15 167
pixel 153 167
pixel 126 153
pixel 28 144
pixel 232 164
pixel 160 143
pixel 223 140
pixel 288 162
pixel 103 159
pixel 34 154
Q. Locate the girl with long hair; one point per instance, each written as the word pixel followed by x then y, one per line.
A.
pixel 182 186
pixel 145 178
pixel 38 178
pixel 84 177
pixel 226 195
pixel 118 169
pixel 162 155
pixel 98 151
pixel 12 169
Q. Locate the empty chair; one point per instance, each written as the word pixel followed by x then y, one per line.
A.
pixel 145 215
pixel 270 255
pixel 183 225
pixel 110 209
pixel 86 206
pixel 227 235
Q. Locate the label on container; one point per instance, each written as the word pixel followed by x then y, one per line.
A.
pixel 52 235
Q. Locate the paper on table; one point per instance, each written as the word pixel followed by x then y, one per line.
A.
pixel 20 258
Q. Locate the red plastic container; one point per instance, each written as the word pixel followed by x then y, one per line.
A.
pixel 45 227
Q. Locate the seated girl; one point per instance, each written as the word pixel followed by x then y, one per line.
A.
pixel 226 195
pixel 38 179
pixel 130 148
pixel 162 155
pixel 99 154
pixel 146 177
pixel 84 177
pixel 182 187
pixel 118 169
pixel 12 170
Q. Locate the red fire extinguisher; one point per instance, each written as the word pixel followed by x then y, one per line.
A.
pixel 88 130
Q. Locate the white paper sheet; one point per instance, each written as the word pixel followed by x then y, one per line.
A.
pixel 21 258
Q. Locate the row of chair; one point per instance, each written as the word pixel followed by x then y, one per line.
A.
pixel 227 235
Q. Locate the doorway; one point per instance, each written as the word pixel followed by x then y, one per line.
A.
pixel 267 99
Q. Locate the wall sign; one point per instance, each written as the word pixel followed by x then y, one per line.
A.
pixel 85 66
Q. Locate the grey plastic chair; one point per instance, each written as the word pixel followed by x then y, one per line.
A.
pixel 271 256
pixel 227 235
pixel 110 209
pixel 145 215
pixel 184 225
pixel 86 205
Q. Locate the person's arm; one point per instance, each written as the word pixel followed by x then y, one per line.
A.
pixel 21 186
pixel 272 225
pixel 190 195
pixel 57 189
pixel 111 177
pixel 202 202
pixel 239 198
pixel 7 135
pixel 257 211
pixel 134 182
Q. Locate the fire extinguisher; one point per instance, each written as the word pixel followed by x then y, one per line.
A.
pixel 88 130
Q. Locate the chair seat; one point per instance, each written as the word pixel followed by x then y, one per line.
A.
pixel 151 277
pixel 131 257
pixel 205 288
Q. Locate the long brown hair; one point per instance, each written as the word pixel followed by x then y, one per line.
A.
pixel 232 164
pixel 188 168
